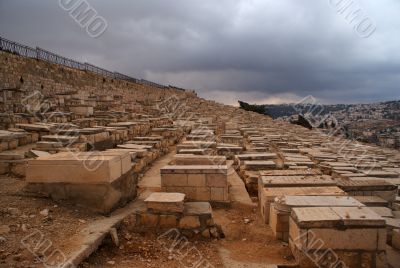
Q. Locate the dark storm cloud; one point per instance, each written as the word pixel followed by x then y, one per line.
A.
pixel 256 50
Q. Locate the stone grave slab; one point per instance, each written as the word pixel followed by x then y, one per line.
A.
pixel 268 195
pixel 166 202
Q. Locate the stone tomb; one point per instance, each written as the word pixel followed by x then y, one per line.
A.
pixel 83 110
pixel 86 167
pixel 294 181
pixel 255 165
pixel 234 139
pixel 101 181
pixel 187 159
pixel 168 212
pixel 145 155
pixel 280 210
pixel 165 202
pixel 337 237
pixel 195 151
pixel 198 182
pixel 229 150
pixel 309 172
pixel 372 201
pixel 256 156
pixel 377 187
pixel 268 195
pixel 196 145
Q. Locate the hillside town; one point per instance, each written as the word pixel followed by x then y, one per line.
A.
pixel 377 123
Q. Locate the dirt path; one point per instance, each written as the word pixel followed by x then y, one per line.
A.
pixel 248 241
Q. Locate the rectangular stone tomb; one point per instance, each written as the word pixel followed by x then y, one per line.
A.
pixel 196 145
pixel 140 150
pixel 229 150
pixel 268 195
pixel 135 146
pixel 81 110
pixel 259 165
pixel 152 144
pixel 198 182
pixel 165 202
pixel 372 201
pixel 132 153
pixel 337 237
pixel 296 181
pixel 65 140
pixel 194 151
pixel 260 156
pixel 183 159
pixel 238 140
pixel 88 167
pixel 100 181
pixel 195 220
pixel 281 208
pixel 198 137
pixel 381 174
pixel 380 188
pixel 309 172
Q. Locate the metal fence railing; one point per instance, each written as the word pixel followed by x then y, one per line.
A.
pixel 41 54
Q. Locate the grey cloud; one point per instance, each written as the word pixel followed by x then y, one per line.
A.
pixel 266 47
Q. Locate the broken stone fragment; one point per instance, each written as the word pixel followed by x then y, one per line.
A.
pixel 44 212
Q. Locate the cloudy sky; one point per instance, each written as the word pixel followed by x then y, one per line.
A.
pixel 260 51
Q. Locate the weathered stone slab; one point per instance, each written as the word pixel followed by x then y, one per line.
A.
pixel 197 208
pixel 259 156
pixel 195 169
pixel 36 127
pixel 331 217
pixel 268 195
pixel 372 201
pixel 229 150
pixel 134 146
pixel 166 202
pixel 194 151
pixel 383 211
pixel 11 156
pixel 366 185
pixel 80 168
pixel 65 140
pixel 381 174
pixel 199 183
pixel 291 201
pixel 49 145
pixel 197 145
pixel 199 160
pixel 132 153
pixel 309 172
pixel 99 197
pixel 122 124
pixel 83 110
pixel 259 165
pixel 297 181
pixel 280 210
